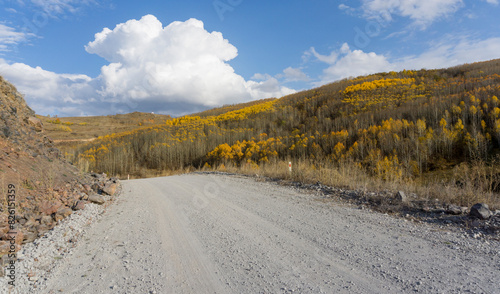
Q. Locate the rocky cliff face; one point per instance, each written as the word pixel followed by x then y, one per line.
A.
pixel 38 187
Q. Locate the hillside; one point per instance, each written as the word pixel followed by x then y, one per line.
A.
pixel 228 108
pixel 69 132
pixel 434 132
pixel 39 187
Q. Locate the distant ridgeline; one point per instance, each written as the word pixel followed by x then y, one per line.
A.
pixel 393 125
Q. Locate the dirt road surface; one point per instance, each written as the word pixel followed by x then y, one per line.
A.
pixel 201 233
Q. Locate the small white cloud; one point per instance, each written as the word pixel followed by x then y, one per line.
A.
pixel 494 2
pixel 260 77
pixel 343 7
pixel 347 9
pixel 422 12
pixel 295 75
pixel 345 49
pixel 270 86
pixel 353 63
pixel 54 8
pixel 330 59
pixel 9 36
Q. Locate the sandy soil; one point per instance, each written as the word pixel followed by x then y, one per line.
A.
pixel 224 234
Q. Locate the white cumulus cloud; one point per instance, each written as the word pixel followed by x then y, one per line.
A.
pixel 179 62
pixel 177 69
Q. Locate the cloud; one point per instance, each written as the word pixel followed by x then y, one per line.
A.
pixel 48 92
pixel 324 58
pixel 59 7
pixel 175 69
pixel 494 2
pixel 422 12
pixel 350 63
pixel 347 9
pixel 454 51
pixel 9 36
pixel 270 86
pixel 451 52
pixel 295 75
pixel 179 62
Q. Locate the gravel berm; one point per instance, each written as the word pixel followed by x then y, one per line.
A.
pixel 200 233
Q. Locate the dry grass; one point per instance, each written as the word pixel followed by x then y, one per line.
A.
pixel 467 185
pixel 143 173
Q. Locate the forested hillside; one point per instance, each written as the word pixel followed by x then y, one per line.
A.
pixel 388 128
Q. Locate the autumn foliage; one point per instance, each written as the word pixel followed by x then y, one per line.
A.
pixel 394 126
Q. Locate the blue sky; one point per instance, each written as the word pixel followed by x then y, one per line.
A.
pixel 96 57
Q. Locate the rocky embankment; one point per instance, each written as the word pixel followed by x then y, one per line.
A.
pixel 38 187
pixel 37 220
pixel 36 260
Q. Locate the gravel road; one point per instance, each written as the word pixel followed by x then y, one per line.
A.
pixel 200 233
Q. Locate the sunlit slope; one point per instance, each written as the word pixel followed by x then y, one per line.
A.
pixel 393 125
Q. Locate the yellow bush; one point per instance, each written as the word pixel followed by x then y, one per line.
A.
pixel 64 128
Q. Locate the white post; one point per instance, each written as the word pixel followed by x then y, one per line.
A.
pixel 128 177
pixel 290 166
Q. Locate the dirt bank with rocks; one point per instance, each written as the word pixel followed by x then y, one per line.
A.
pixel 38 187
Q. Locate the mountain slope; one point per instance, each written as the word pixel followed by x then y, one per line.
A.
pixel 400 128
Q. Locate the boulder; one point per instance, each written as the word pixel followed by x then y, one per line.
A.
pixel 97 199
pixel 480 210
pixel 454 209
pixel 64 212
pixel 46 220
pixel 401 196
pixel 42 229
pixel 36 123
pixel 30 225
pixel 97 188
pixel 30 237
pixel 110 188
pixel 87 188
pixel 79 205
pixel 58 217
pixel 50 207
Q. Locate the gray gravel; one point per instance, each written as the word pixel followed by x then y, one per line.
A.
pixel 226 234
pixel 37 260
